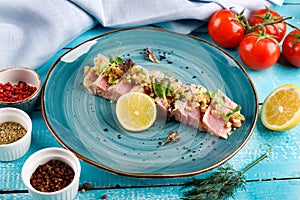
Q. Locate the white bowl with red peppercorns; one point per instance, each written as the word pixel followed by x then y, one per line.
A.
pixel 52 173
pixel 19 87
pixel 15 133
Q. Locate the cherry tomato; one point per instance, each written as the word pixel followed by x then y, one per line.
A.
pixel 225 29
pixel 258 52
pixel 261 16
pixel 291 48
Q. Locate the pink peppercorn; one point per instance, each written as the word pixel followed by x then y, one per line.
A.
pixel 18 92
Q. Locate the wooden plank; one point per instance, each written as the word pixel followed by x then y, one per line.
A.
pixel 279 189
pixel 286 153
pixel 286 2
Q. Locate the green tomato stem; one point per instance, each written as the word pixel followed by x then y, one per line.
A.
pixel 292 26
pixel 250 29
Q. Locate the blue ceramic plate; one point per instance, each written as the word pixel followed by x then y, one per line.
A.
pixel 86 124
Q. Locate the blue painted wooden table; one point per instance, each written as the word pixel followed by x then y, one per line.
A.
pixel 277 177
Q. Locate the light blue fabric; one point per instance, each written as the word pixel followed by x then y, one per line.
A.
pixel 32 31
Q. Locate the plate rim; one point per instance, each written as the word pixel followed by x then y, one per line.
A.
pixel 149 175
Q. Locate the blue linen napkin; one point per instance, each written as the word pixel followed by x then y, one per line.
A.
pixel 32 31
pixel 124 13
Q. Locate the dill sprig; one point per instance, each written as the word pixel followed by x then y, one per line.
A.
pixel 221 184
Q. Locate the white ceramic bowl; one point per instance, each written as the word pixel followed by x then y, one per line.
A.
pixel 43 156
pixel 17 149
pixel 16 74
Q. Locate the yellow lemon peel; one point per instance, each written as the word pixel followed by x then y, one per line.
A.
pixel 136 111
pixel 281 108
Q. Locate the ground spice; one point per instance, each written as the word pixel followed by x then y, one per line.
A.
pixel 11 132
pixel 18 92
pixel 52 176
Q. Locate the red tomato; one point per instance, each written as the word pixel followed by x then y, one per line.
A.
pixel 264 16
pixel 258 53
pixel 291 48
pixel 225 29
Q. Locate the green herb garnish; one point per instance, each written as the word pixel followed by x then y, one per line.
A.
pixel 234 111
pixel 116 60
pixel 162 90
pixel 220 99
pixel 117 68
pixel 221 184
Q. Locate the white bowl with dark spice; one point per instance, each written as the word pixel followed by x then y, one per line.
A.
pixel 52 173
pixel 19 87
pixel 15 133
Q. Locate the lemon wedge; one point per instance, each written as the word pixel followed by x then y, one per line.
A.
pixel 136 111
pixel 281 108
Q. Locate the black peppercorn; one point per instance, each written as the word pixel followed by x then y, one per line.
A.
pixel 52 176
pixel 85 187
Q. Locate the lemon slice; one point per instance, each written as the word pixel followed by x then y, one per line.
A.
pixel 136 111
pixel 281 109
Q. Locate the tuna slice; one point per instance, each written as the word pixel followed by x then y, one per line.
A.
pixel 213 122
pixel 90 82
pixel 102 88
pixel 120 88
pixel 179 112
pixel 137 88
pixel 183 114
pixel 194 118
pixel 161 106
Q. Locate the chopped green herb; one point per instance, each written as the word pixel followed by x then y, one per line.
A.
pixel 220 99
pixel 116 59
pixel 162 90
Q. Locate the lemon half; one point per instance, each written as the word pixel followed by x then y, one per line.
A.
pixel 281 108
pixel 136 111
